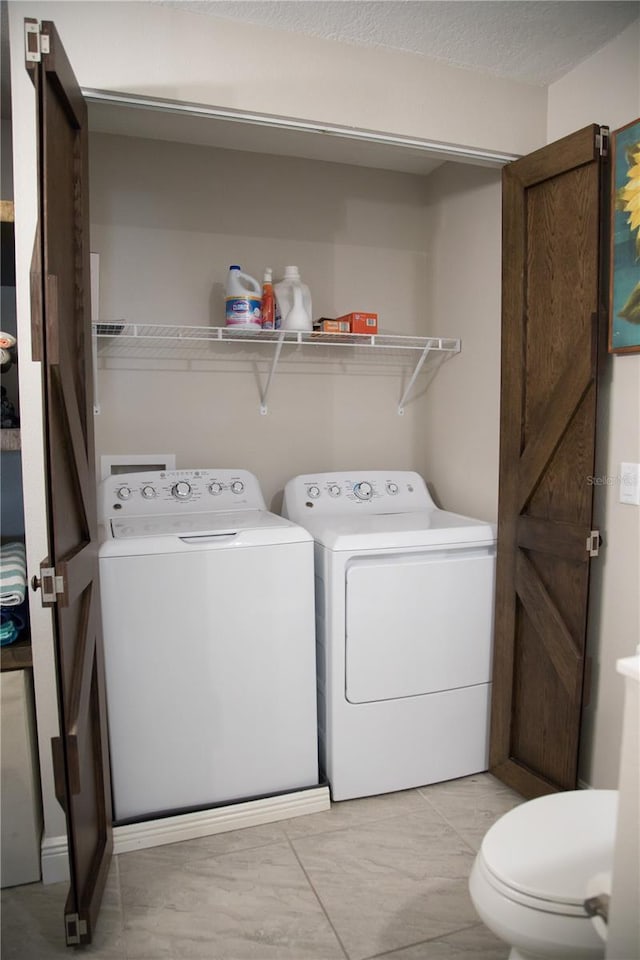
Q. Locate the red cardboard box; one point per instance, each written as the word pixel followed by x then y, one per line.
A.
pixel 362 322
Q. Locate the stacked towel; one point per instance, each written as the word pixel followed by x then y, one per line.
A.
pixel 13 574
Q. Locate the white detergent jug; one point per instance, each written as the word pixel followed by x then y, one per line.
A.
pixel 243 300
pixel 294 301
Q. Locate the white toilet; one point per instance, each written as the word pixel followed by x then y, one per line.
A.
pixel 531 876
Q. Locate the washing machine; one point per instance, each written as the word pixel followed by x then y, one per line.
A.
pixel 404 626
pixel 209 638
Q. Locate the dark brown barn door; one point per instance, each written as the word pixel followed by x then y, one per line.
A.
pixel 551 337
pixel 69 577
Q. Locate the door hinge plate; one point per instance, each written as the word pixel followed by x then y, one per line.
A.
pixel 35 43
pixel 594 542
pixel 49 583
pixel 602 142
pixel 75 928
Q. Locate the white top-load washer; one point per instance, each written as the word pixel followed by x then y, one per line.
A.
pixel 404 627
pixel 208 617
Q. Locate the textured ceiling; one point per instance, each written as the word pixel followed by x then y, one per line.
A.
pixel 529 40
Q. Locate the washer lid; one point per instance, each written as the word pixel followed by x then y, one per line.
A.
pixel 549 847
pixel 424 528
pixel 255 526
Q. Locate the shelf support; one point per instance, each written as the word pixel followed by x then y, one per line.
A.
pixel 274 364
pixel 414 375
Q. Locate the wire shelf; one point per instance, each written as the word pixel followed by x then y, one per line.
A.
pixel 120 339
pixel 141 333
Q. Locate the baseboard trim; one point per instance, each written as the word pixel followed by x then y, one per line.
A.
pixel 191 826
pixel 54 860
pixel 204 823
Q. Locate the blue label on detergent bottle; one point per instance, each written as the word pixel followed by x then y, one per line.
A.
pixel 242 311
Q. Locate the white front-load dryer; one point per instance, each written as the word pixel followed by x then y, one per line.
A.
pixel 208 619
pixel 404 628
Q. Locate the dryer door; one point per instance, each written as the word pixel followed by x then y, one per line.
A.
pixel 418 623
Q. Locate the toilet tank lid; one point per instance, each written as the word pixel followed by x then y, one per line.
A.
pixel 551 846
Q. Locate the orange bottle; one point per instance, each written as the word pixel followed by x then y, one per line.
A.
pixel 268 301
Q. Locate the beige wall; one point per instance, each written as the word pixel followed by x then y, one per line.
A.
pixel 168 219
pixel 606 89
pixel 460 427
pixel 146 49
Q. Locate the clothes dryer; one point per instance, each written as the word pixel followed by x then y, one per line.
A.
pixel 208 618
pixel 404 627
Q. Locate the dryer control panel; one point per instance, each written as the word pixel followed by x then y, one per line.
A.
pixel 158 492
pixel 371 491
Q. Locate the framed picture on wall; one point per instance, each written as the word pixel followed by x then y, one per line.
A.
pixel 624 288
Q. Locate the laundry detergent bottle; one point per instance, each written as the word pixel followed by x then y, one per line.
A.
pixel 242 300
pixel 294 301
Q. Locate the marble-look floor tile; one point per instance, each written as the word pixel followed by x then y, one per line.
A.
pixel 33 922
pixel 472 805
pixel 253 904
pixel 391 883
pixel 475 785
pixel 348 813
pixel 211 846
pixel 473 943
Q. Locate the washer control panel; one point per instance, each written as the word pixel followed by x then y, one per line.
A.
pixel 159 492
pixel 372 491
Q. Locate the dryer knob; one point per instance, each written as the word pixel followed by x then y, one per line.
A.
pixel 334 490
pixel 313 492
pixel 124 493
pixel 181 490
pixel 237 486
pixel 215 488
pixel 363 491
pixel 148 492
pixel 392 488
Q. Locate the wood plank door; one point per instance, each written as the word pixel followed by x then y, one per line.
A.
pixel 552 335
pixel 69 576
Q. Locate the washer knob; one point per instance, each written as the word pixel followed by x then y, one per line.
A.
pixel 392 488
pixel 181 490
pixel 237 486
pixel 334 490
pixel 215 488
pixel 124 493
pixel 148 492
pixel 313 492
pixel 363 490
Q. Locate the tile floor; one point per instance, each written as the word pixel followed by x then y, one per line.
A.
pixel 379 877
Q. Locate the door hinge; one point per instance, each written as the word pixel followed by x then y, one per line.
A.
pixel 49 583
pixel 35 43
pixel 594 542
pixel 602 142
pixel 75 928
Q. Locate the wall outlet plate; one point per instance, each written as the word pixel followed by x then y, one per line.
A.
pixel 630 483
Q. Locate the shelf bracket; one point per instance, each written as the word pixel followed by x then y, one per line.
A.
pixel 274 364
pixel 414 375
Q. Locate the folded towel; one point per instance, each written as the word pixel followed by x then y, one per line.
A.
pixel 13 574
